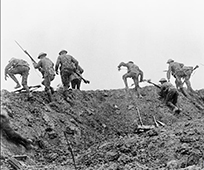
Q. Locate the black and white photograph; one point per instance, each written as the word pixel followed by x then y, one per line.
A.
pixel 102 85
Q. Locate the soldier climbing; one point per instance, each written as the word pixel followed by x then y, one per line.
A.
pixel 133 71
pixel 179 71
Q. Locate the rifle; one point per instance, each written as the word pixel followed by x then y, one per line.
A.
pixel 35 87
pixel 70 149
pixel 149 81
pixel 40 69
pixel 26 52
pixel 85 81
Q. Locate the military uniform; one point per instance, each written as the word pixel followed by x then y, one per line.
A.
pixel 179 71
pixel 133 72
pixel 76 79
pixel 47 68
pixel 68 65
pixel 18 66
pixel 170 94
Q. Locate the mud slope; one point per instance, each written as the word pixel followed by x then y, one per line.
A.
pixel 102 127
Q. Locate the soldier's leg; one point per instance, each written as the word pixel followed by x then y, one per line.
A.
pixel 135 79
pixel 12 73
pixel 73 84
pixel 78 84
pixel 125 76
pixel 64 78
pixel 25 73
pixel 188 84
pixel 47 87
pixel 169 99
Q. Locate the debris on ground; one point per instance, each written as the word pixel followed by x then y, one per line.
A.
pixel 108 130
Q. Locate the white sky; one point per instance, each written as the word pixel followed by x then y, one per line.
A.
pixel 102 33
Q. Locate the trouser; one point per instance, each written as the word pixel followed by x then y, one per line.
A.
pixel 24 72
pixel 66 78
pixel 76 83
pixel 171 98
pixel 47 82
pixel 186 76
pixel 134 77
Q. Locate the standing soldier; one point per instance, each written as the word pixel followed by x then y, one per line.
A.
pixel 133 72
pixel 18 66
pixel 179 71
pixel 47 68
pixel 76 78
pixel 170 95
pixel 68 65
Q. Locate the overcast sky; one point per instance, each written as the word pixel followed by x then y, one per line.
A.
pixel 102 33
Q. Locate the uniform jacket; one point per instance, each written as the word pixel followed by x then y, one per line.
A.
pixel 66 62
pixel 131 67
pixel 46 65
pixel 174 67
pixel 15 63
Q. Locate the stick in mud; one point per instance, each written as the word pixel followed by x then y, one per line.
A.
pixel 139 116
pixel 70 149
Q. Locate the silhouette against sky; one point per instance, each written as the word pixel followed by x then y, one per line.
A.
pixel 102 33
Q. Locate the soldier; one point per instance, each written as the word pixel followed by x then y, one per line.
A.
pixel 18 66
pixel 10 134
pixel 170 95
pixel 179 71
pixel 47 68
pixel 68 65
pixel 133 72
pixel 76 79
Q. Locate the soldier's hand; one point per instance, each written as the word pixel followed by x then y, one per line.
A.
pixel 6 76
pixel 34 64
pixel 119 68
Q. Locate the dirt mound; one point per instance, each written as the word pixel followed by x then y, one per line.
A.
pixel 102 128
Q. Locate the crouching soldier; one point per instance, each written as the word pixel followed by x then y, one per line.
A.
pixel 76 78
pixel 10 134
pixel 47 69
pixel 133 72
pixel 18 66
pixel 170 95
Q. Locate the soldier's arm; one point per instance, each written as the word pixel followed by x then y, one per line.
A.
pixel 57 65
pixel 38 65
pixel 80 69
pixel 122 64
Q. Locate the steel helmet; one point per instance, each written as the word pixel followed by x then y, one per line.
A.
pixel 170 60
pixel 162 80
pixel 42 54
pixel 62 51
pixel 12 59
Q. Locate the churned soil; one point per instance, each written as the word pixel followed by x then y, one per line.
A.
pixel 104 131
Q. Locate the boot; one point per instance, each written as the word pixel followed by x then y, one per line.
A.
pixel 52 90
pixel 30 96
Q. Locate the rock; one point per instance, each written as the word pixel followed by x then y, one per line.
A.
pixel 112 156
pixel 124 159
pixel 173 164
